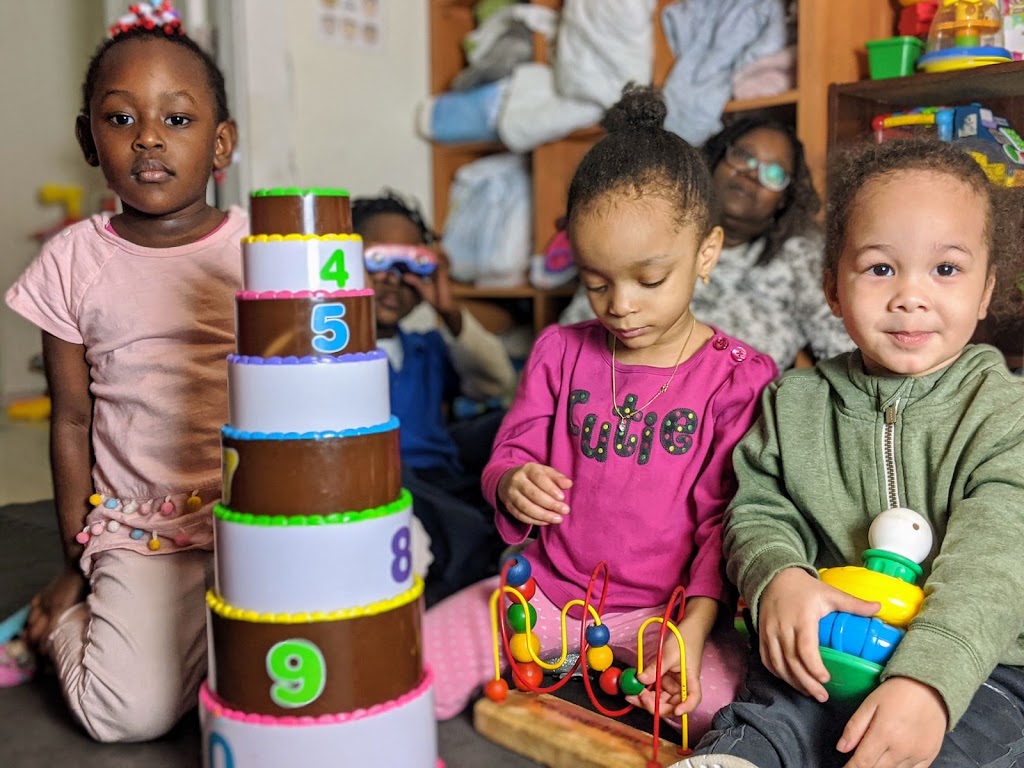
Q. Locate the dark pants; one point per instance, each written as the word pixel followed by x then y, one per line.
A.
pixel 774 726
pixel 463 539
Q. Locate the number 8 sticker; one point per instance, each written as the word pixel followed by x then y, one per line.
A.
pixel 298 670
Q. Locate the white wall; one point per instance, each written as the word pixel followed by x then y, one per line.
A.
pixel 310 114
pixel 45 47
pixel 313 113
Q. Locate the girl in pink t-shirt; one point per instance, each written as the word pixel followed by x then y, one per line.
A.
pixel 618 445
pixel 137 318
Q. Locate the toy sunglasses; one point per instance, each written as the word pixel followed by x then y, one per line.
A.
pixel 771 176
pixel 401 258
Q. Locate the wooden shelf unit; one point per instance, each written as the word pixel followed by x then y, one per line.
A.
pixel 999 87
pixel 830 48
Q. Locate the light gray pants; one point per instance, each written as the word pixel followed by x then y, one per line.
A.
pixel 131 657
pixel 774 726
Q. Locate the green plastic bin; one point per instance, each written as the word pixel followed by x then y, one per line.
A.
pixel 893 56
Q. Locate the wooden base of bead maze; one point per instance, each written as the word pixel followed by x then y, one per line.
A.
pixel 560 734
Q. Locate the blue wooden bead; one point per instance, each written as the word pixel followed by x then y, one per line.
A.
pixel 518 572
pixel 597 635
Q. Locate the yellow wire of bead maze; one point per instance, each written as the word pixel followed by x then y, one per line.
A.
pixel 524 651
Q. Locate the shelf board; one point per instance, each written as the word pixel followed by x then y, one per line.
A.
pixel 766 102
pixel 470 147
pixel 525 291
pixel 995 81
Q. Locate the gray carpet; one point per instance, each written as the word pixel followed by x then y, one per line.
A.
pixel 35 728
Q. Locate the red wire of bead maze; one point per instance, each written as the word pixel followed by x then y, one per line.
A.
pixel 677 598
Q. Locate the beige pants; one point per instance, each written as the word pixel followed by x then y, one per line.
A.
pixel 131 657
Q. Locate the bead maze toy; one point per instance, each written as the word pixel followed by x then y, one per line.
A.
pixel 853 648
pixel 554 731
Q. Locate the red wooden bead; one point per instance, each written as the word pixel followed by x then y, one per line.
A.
pixel 496 690
pixel 527 675
pixel 527 590
pixel 609 681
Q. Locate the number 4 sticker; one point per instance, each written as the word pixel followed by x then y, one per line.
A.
pixel 333 270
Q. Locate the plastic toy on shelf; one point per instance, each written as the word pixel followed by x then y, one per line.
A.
pixel 527 668
pixel 853 648
pixel 964 34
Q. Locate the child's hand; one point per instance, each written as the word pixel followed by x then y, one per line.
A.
pixel 694 628
pixel 56 597
pixel 533 494
pixel 791 607
pixel 902 722
pixel 435 289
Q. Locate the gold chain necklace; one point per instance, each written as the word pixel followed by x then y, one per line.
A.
pixel 624 418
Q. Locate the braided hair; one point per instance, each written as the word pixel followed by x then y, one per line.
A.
pixel 390 201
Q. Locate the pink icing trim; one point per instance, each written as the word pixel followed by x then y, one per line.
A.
pixel 254 295
pixel 210 700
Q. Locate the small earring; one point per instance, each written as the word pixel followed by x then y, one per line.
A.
pixel 705 279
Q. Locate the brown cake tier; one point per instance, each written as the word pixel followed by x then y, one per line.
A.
pixel 342 664
pixel 311 475
pixel 292 211
pixel 289 324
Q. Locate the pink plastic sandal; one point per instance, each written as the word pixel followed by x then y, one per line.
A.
pixel 17 663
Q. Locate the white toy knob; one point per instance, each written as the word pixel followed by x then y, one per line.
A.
pixel 903 532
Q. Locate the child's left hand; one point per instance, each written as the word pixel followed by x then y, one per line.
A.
pixel 901 723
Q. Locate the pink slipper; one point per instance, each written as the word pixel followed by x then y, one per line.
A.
pixel 17 663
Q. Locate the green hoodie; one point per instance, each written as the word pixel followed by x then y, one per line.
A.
pixel 812 476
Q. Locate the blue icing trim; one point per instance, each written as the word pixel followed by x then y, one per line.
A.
pixel 353 357
pixel 237 434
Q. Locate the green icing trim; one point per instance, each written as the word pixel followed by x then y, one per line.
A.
pixel 404 501
pixel 293 191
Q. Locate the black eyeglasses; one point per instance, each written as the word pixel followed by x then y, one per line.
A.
pixel 771 176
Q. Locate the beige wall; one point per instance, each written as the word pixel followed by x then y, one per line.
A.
pixel 310 114
pixel 45 47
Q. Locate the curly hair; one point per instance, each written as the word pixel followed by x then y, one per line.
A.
pixel 853 168
pixel 390 201
pixel 213 74
pixel 800 202
pixel 639 157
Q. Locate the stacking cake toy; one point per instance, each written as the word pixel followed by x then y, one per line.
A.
pixel 854 648
pixel 314 622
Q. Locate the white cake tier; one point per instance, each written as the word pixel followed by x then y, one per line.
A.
pixel 399 734
pixel 308 394
pixel 320 563
pixel 303 263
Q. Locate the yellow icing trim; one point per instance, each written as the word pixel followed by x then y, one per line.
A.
pixel 217 604
pixel 285 238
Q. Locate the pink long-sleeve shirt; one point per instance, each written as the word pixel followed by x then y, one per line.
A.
pixel 647 501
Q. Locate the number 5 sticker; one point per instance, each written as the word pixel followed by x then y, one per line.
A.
pixel 298 670
pixel 331 331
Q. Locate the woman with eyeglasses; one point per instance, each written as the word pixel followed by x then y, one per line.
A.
pixel 766 287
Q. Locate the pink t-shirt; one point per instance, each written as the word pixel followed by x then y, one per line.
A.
pixel 648 499
pixel 157 325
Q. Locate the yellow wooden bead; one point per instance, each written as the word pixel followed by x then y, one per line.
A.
pixel 154 545
pixel 599 658
pixel 520 649
pixel 95 500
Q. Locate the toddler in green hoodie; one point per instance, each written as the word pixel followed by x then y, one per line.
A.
pixel 916 417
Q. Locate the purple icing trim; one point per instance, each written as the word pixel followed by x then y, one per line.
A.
pixel 237 434
pixel 219 709
pixel 262 295
pixel 354 357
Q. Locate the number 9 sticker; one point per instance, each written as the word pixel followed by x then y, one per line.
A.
pixel 299 673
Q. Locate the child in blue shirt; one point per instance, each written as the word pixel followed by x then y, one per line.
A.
pixel 436 351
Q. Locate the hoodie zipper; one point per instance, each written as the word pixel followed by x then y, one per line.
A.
pixel 892 491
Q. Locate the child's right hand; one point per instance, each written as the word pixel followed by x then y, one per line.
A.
pixel 534 494
pixel 791 608
pixel 64 591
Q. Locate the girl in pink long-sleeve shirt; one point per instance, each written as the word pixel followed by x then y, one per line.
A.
pixel 618 445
